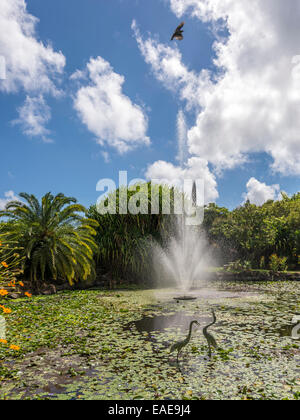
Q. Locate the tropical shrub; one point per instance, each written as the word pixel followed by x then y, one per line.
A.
pixel 283 266
pixel 11 262
pixel 125 240
pixel 277 263
pixel 55 238
pixel 10 268
pixel 262 263
pixel 238 266
pixel 251 232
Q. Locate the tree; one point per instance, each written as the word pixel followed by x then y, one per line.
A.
pixel 125 240
pixel 54 236
pixel 248 230
pixel 212 213
pixel 286 215
pixel 253 232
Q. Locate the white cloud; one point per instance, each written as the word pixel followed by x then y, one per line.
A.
pixel 106 111
pixel 9 196
pixel 33 116
pixel 181 137
pixel 253 103
pixel 30 66
pixel 106 156
pixel 166 64
pixel 259 192
pixel 196 168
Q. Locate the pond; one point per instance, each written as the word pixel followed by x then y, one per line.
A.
pixel 119 345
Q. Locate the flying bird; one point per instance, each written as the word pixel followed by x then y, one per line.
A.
pixel 178 33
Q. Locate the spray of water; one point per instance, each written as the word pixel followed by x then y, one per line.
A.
pixel 185 256
pixel 184 260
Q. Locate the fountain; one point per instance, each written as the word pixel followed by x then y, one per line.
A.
pixel 185 256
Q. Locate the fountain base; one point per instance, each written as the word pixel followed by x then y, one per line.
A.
pixel 185 298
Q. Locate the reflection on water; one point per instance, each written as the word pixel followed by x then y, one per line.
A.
pixel 160 323
pixel 181 320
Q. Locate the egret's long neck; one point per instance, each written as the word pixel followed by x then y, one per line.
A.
pixel 190 331
pixel 212 323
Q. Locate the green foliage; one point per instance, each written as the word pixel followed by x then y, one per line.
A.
pixel 262 263
pixel 11 262
pixel 124 240
pixel 238 266
pixel 274 263
pixel 283 266
pixel 82 331
pixel 251 232
pixel 278 264
pixel 213 213
pixel 54 237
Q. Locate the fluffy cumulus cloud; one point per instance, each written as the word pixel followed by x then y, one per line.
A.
pixel 33 117
pixel 181 137
pixel 30 65
pixel 8 196
pixel 195 168
pixel 252 103
pixel 258 192
pixel 167 66
pixel 106 111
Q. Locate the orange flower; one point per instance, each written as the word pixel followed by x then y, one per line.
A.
pixel 3 341
pixel 5 310
pixel 13 347
pixel 4 264
pixel 28 294
pixel 21 283
pixel 3 292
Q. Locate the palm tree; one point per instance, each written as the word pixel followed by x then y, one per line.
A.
pixel 56 238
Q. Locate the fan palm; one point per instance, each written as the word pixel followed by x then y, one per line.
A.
pixel 56 238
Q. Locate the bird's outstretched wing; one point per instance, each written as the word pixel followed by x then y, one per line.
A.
pixel 180 26
pixel 178 32
pixel 179 37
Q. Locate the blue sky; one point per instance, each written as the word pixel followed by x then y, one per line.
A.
pixel 74 161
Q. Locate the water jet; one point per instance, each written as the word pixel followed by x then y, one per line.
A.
pixel 183 261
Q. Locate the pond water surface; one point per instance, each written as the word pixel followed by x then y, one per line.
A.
pixel 256 358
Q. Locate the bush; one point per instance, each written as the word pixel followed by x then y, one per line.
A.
pixel 277 263
pixel 238 266
pixel 262 263
pixel 125 240
pixel 10 268
pixel 11 262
